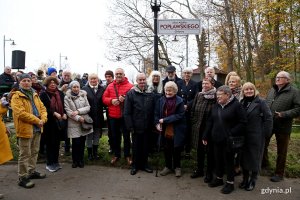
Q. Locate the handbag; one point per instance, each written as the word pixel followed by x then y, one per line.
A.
pixel 232 142
pixel 88 121
pixel 61 124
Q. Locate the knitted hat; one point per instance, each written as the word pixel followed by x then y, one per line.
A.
pixel 51 70
pixel 22 76
pixel 74 83
pixel 110 73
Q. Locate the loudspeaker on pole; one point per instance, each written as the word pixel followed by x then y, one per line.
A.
pixel 18 59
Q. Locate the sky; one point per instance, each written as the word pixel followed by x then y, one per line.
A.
pixel 44 29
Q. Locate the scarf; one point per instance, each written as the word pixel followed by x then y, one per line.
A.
pixel 247 101
pixel 210 94
pixel 170 106
pixel 236 92
pixel 55 101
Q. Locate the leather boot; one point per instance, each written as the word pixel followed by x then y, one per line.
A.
pixel 95 152
pixel 90 154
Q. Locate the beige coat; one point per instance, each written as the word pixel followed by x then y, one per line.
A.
pixel 81 104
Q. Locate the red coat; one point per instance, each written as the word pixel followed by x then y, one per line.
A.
pixel 110 94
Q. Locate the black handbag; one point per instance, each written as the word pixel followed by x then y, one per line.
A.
pixel 61 124
pixel 233 142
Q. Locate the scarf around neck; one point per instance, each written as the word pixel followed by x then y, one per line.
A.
pixel 210 94
pixel 55 101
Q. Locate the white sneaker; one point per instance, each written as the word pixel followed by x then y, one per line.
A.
pixel 51 168
pixel 165 171
pixel 178 172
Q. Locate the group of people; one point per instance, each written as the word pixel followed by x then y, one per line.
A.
pixel 180 114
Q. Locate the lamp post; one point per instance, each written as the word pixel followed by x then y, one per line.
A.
pixel 6 40
pixel 60 56
pixel 155 6
pixel 186 49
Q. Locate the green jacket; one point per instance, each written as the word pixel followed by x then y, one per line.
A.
pixel 287 102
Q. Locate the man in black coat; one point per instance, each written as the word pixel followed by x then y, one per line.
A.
pixel 6 81
pixel 139 117
pixel 284 102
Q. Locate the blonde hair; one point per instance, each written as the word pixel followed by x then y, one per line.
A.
pixel 171 85
pixel 248 85
pixel 232 73
pixel 150 83
pixel 237 78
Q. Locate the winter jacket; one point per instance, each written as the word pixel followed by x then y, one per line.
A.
pixel 23 116
pixel 177 119
pixel 110 94
pixel 95 101
pixel 76 103
pixel 187 92
pixel 233 121
pixel 5 151
pixel 258 127
pixel 287 102
pixel 139 110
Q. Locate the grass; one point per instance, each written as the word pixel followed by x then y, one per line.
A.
pixel 157 159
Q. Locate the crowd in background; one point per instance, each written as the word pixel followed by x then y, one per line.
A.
pixel 173 114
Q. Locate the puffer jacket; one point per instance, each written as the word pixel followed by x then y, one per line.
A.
pixel 110 94
pixel 81 104
pixel 287 102
pixel 24 119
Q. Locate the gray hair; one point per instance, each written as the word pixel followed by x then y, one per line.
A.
pixel 139 75
pixel 74 83
pixel 188 69
pixel 212 68
pixel 286 74
pixel 225 89
pixel 171 84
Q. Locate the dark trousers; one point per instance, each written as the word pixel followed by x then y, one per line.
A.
pixel 207 150
pixel 282 141
pixel 224 158
pixel 188 132
pixel 140 149
pixel 172 154
pixel 42 144
pixel 78 145
pixel 109 133
pixel 118 127
pixel 52 147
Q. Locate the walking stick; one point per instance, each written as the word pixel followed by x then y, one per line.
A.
pixel 158 150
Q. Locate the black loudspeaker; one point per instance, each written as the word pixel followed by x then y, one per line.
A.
pixel 18 59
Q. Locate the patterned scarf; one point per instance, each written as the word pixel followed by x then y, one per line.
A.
pixel 210 94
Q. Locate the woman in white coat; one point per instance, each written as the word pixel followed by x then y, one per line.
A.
pixel 77 108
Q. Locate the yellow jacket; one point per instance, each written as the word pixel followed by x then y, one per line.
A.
pixel 24 119
pixel 5 151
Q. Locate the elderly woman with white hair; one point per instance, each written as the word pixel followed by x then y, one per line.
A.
pixel 94 94
pixel 187 90
pixel 77 108
pixel 169 118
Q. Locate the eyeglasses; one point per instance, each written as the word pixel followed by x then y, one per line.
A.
pixel 279 77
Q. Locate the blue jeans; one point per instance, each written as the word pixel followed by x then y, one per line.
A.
pixel 118 127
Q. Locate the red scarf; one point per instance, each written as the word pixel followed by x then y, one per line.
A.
pixel 55 101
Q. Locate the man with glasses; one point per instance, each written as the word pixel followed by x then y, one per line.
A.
pixel 284 102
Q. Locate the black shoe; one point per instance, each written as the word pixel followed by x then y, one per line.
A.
pixel 216 182
pixel 133 171
pixel 228 188
pixel 276 178
pixel 197 173
pixel 26 183
pixel 208 178
pixel 37 175
pixel 74 165
pixel 81 164
pixel 244 183
pixel 148 170
pixel 251 185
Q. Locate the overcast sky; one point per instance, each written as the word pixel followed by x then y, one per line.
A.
pixel 46 28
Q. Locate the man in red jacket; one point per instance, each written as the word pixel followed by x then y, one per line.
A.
pixel 114 97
